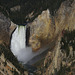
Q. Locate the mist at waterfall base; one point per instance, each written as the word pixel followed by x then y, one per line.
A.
pixel 19 48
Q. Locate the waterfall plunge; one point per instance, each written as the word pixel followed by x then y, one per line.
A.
pixel 18 45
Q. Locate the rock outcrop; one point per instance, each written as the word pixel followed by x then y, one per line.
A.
pixel 6 29
pixel 45 27
pixel 64 18
pixel 42 30
pixel 46 30
pixel 12 28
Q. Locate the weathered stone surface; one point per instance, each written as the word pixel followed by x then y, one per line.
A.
pixel 45 27
pixel 4 29
pixel 64 20
pixel 42 30
pixel 12 28
pixel 65 16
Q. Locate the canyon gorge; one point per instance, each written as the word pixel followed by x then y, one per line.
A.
pixel 49 44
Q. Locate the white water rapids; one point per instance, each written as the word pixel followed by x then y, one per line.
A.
pixel 18 45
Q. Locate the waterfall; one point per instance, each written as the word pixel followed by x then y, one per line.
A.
pixel 19 48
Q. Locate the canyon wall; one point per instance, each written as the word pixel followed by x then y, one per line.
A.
pixel 46 30
pixel 46 27
pixel 6 29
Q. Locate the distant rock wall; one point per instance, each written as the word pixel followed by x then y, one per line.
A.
pixel 65 16
pixel 12 28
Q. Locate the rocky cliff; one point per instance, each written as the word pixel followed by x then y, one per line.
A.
pixel 8 62
pixel 46 29
pixel 42 30
pixel 55 31
pixel 6 29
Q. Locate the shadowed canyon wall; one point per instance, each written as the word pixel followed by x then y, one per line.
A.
pixel 6 29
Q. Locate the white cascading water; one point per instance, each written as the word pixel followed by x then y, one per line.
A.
pixel 18 45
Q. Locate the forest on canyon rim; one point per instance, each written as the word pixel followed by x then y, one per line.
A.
pixel 27 7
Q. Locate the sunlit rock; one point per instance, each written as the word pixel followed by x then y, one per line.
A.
pixel 42 30
pixel 46 27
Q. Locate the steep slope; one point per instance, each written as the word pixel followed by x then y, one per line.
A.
pixel 8 62
pixel 6 29
pixel 45 28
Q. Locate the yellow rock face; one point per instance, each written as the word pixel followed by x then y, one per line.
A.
pixel 42 30
pixel 45 27
pixel 5 35
pixel 35 43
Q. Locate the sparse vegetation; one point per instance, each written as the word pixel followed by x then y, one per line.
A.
pixel 5 63
pixel 15 72
pixel 67 40
pixel 9 56
pixel 64 70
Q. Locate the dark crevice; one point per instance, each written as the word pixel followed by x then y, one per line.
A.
pixel 27 36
